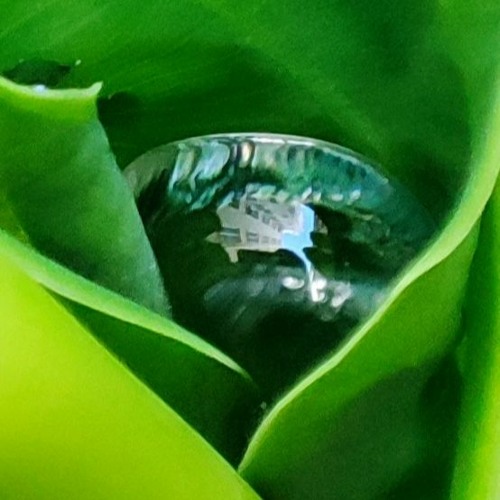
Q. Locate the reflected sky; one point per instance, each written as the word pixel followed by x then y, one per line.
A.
pixel 296 242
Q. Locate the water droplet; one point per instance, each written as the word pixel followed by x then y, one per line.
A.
pixel 277 261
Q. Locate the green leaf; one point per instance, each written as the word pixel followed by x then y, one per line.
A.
pixel 409 84
pixel 178 69
pixel 63 190
pixel 344 417
pixel 60 180
pixel 477 473
pixel 75 423
pixel 170 360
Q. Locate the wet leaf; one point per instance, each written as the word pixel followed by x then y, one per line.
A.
pixel 411 85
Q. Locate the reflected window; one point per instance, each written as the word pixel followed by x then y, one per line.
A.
pixel 252 211
pixel 252 237
pixel 230 235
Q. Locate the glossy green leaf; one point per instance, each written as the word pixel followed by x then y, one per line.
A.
pixel 477 473
pixel 74 423
pixel 418 324
pixel 75 206
pixel 173 362
pixel 59 178
pixel 409 84
pixel 187 68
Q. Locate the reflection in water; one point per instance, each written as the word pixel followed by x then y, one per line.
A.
pixel 264 226
pixel 274 248
pixel 267 226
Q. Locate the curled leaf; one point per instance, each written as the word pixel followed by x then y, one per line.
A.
pixel 60 180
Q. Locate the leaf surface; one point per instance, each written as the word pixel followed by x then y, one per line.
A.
pixel 477 471
pixel 59 178
pixel 410 84
pixel 75 423
pixel 63 191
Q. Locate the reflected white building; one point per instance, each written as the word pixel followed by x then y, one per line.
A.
pixel 249 224
pixel 264 226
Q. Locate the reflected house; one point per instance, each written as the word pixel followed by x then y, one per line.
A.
pixel 265 226
pixel 250 224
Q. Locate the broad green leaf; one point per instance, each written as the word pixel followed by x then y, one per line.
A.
pixel 63 188
pixel 406 83
pixel 177 69
pixel 174 363
pixel 477 473
pixel 417 324
pixel 60 180
pixel 375 382
pixel 74 423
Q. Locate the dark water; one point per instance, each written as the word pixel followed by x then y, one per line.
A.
pixel 274 247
